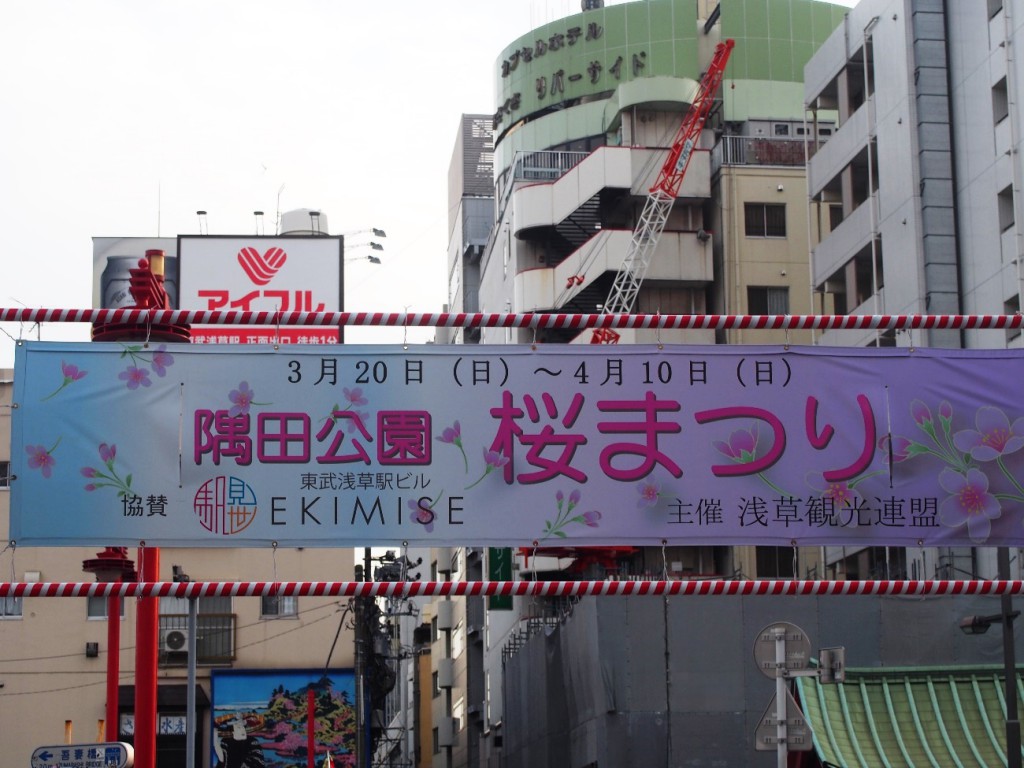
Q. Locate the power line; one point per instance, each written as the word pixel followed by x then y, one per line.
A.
pixel 131 675
pixel 132 647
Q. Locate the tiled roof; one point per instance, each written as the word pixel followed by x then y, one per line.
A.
pixel 909 717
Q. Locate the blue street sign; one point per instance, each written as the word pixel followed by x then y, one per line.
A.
pixel 111 754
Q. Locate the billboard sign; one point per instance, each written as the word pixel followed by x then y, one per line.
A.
pixel 260 716
pixel 110 754
pixel 270 274
pixel 202 445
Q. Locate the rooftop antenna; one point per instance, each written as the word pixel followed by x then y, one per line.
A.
pixel 203 229
pixel 277 222
pixel 259 222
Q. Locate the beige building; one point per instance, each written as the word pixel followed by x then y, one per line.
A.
pixel 54 659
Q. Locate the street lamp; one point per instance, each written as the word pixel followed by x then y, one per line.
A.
pixel 978 625
pixel 369 257
pixel 372 230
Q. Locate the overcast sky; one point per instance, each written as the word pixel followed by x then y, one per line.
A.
pixel 123 118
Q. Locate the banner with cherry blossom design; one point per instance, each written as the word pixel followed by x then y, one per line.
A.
pixel 181 445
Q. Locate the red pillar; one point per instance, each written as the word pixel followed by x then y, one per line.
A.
pixel 147 626
pixel 310 728
pixel 113 667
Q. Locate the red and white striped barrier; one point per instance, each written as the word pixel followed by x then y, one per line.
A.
pixel 732 587
pixel 511 320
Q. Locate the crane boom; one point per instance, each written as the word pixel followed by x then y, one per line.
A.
pixel 661 196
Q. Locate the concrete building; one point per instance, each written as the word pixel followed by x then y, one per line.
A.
pixel 923 178
pixel 470 218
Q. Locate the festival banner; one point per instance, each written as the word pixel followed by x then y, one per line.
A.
pixel 504 446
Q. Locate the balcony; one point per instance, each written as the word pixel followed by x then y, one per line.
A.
pixel 679 257
pixel 624 168
pixel 756 150
pixel 845 145
pixel 215 639
pixel 445 673
pixel 444 615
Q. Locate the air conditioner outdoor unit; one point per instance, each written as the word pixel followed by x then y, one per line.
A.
pixel 174 640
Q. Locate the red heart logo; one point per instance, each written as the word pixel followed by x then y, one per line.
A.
pixel 261 268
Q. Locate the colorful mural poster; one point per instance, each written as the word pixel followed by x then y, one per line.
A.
pixel 260 717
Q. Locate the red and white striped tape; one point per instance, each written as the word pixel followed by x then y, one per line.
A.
pixel 510 320
pixel 759 588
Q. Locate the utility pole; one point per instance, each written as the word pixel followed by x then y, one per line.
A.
pixel 362 639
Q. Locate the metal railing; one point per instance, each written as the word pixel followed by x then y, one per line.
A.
pixel 757 150
pixel 215 638
pixel 547 165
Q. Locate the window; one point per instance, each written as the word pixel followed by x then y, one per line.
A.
pixel 279 606
pixel 767 300
pixel 10 608
pixel 96 607
pixel 5 474
pixel 775 563
pixel 458 636
pixel 835 217
pixel 781 129
pixel 435 685
pixel 1012 307
pixel 459 714
pixel 437 741
pixel 1000 102
pixel 215 629
pixel 765 219
pixel 1005 206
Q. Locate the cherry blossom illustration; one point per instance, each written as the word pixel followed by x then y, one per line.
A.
pixel 743 447
pixel 135 377
pixel 492 460
pixel 967 455
pixel 423 511
pixel 353 397
pixel 106 476
pixel 41 458
pixel 242 399
pixel 142 361
pixel 565 516
pixel 939 443
pixel 71 374
pixel 969 503
pixel 649 491
pixel 453 436
pixel 994 439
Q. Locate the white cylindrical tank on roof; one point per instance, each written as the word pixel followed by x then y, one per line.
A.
pixel 303 221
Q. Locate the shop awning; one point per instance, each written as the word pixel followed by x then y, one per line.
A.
pixel 909 717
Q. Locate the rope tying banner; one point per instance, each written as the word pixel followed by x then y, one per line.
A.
pixel 511 320
pixel 729 587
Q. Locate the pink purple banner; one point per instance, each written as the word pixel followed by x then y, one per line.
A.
pixel 514 446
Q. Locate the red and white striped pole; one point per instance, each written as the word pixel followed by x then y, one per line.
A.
pixel 647 588
pixel 536 320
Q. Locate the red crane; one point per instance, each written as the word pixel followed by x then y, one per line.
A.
pixel 661 196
